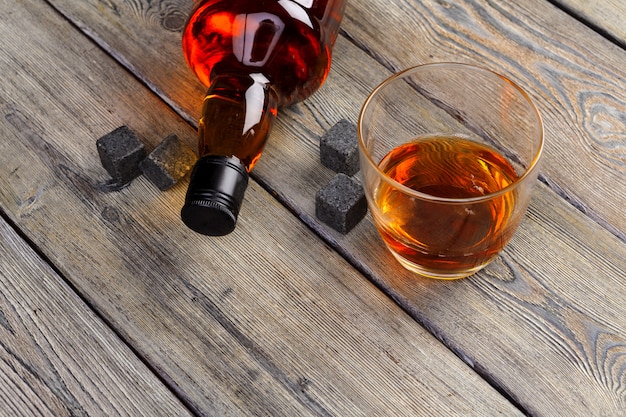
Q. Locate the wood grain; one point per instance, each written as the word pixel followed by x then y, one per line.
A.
pixel 608 16
pixel 266 321
pixel 544 323
pixel 56 357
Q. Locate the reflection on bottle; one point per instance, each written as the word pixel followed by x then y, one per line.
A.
pixel 255 37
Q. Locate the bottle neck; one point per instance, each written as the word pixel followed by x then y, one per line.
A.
pixel 237 116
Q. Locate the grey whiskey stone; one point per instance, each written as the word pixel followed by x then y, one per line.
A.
pixel 169 162
pixel 341 204
pixel 121 152
pixel 339 148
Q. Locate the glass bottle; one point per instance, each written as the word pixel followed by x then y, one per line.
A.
pixel 254 56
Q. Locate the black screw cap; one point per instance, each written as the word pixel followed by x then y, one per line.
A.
pixel 214 196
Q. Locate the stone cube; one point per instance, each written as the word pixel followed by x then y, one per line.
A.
pixel 341 204
pixel 169 162
pixel 339 148
pixel 121 152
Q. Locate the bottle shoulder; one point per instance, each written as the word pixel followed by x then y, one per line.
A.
pixel 289 41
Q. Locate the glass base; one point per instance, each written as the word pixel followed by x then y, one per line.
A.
pixel 436 274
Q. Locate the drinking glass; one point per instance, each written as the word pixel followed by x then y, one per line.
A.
pixel 449 154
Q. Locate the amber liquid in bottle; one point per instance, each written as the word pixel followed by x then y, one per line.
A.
pixel 441 236
pixel 254 56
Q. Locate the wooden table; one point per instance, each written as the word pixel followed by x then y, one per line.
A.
pixel 110 306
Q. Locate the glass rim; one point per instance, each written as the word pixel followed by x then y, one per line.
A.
pixel 533 166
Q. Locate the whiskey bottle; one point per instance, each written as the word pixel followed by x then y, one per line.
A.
pixel 254 56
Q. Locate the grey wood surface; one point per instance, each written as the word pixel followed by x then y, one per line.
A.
pixel 56 357
pixel 266 321
pixel 545 324
pixel 606 15
pixel 533 43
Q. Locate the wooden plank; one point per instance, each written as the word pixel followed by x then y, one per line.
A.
pixel 609 16
pixel 537 323
pixel 265 321
pixel 56 357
